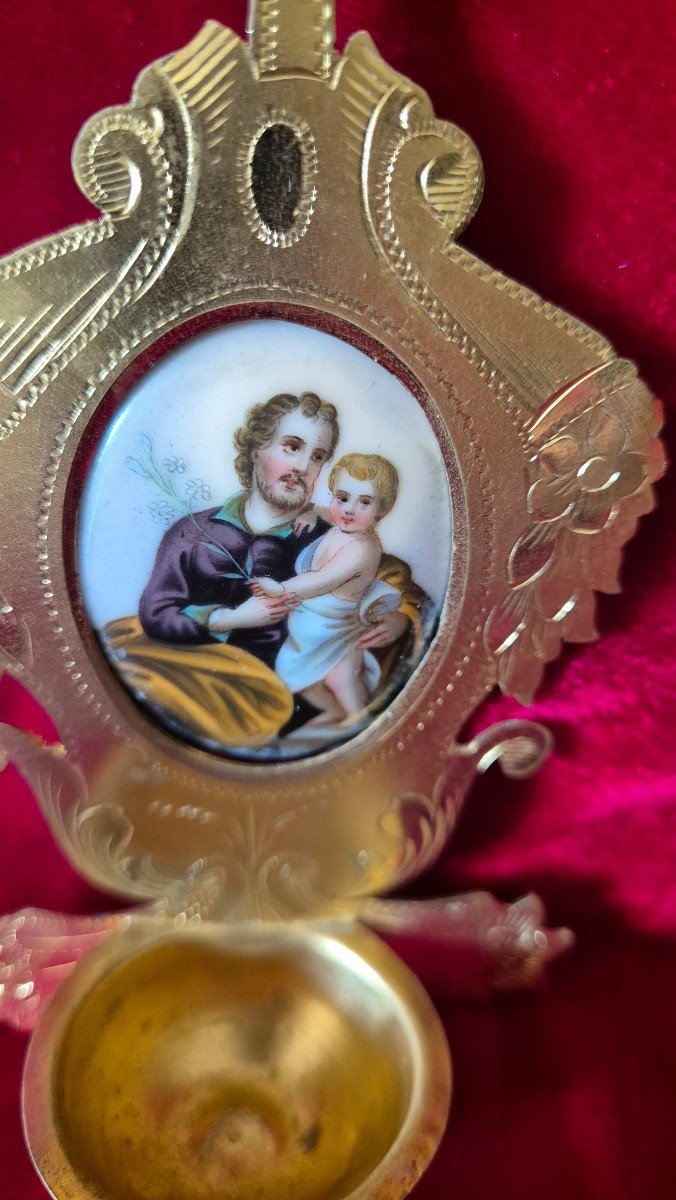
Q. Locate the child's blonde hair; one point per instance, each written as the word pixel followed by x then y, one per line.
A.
pixel 379 471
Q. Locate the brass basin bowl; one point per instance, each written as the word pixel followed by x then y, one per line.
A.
pixel 281 1063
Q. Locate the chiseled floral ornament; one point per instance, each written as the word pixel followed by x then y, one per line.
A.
pixel 590 484
pixel 275 180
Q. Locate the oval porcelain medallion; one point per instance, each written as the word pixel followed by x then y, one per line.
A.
pixel 265 540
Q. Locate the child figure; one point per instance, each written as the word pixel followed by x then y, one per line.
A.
pixel 338 594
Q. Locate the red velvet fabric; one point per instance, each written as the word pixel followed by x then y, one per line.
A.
pixel 567 1094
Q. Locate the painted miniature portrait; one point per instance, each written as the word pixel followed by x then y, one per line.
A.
pixel 264 540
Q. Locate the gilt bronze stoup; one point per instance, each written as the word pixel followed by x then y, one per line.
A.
pixel 551 449
pixel 287 1062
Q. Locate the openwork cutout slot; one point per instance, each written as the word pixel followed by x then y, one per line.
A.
pixel 278 170
pixel 277 176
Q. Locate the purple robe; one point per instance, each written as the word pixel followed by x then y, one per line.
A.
pixel 198 569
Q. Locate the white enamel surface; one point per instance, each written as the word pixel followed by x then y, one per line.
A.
pixel 190 405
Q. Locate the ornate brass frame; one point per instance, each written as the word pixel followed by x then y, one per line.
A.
pixel 550 443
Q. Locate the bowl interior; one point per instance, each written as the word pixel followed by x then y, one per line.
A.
pixel 198 1071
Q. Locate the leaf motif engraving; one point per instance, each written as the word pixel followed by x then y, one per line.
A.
pixel 413 822
pixel 596 457
pixel 507 622
pixel 419 825
pixel 531 556
pixel 262 874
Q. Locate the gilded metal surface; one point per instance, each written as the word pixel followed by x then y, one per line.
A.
pixel 550 444
pixel 272 1063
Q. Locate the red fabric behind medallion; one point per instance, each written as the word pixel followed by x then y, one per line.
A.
pixel 567 1094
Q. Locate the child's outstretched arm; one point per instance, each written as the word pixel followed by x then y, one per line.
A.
pixel 345 565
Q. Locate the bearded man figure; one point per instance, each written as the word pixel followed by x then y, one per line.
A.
pixel 202 650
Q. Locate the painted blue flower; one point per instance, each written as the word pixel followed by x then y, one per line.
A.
pixel 198 489
pixel 174 463
pixel 162 512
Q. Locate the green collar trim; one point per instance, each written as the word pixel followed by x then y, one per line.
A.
pixel 233 511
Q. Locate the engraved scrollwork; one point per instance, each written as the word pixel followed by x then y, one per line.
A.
pixel 261 877
pixel 414 166
pixel 421 183
pixel 95 837
pixel 123 167
pixel 592 470
pixel 107 165
pixel 251 873
pixel 120 164
pixel 420 825
pixel 520 747
pixel 416 825
pixel 590 445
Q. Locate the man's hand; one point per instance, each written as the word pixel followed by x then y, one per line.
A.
pixel 255 613
pixel 384 632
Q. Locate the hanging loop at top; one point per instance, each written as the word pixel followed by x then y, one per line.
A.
pixel 292 35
